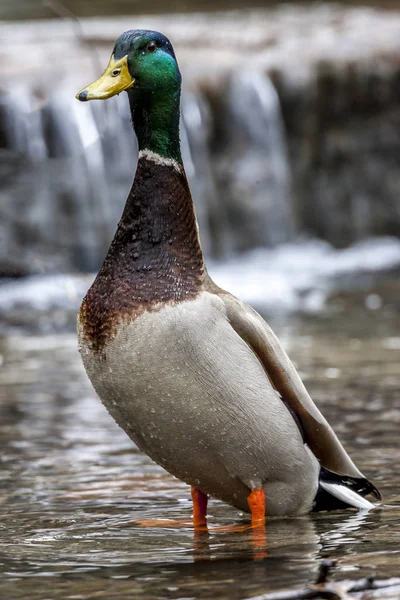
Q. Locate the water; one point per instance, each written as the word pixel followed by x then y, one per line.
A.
pixel 72 482
pixel 251 164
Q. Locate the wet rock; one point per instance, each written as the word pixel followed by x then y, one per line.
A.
pixel 344 144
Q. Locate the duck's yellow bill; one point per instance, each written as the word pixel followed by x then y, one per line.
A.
pixel 115 79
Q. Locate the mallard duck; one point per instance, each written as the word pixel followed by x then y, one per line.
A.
pixel 194 376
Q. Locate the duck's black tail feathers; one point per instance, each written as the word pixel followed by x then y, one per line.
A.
pixel 337 492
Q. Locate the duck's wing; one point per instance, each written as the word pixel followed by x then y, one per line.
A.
pixel 317 432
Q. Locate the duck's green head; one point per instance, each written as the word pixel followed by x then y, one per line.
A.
pixel 143 61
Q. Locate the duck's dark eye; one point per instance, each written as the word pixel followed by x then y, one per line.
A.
pixel 151 47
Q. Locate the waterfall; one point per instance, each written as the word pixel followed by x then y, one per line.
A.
pixel 76 163
pixel 251 163
pixel 195 133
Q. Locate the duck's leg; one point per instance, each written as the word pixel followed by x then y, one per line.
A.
pixel 199 507
pixel 256 502
pixel 199 514
pixel 257 505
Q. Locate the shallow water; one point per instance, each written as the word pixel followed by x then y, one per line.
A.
pixel 72 482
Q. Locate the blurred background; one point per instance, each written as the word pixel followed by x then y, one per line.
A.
pixel 291 141
pixel 290 134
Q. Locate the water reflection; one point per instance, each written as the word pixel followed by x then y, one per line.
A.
pixel 72 482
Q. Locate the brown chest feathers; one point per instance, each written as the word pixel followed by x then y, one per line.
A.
pixel 155 257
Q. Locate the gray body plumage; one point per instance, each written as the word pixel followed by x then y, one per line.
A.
pixel 192 394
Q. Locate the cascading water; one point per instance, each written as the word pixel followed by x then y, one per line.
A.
pixel 81 160
pixel 57 207
pixel 251 164
pixel 195 132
